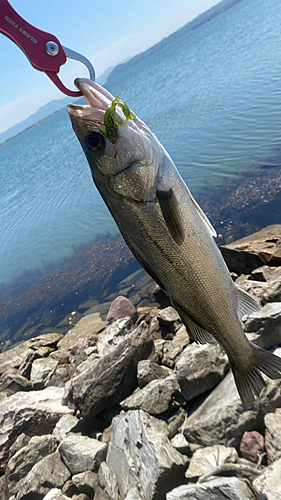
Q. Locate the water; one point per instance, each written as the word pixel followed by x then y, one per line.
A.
pixel 213 99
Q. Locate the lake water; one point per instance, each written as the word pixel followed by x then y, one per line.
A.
pixel 213 99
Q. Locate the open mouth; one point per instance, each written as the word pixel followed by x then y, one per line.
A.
pixel 98 99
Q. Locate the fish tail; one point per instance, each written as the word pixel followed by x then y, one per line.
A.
pixel 250 383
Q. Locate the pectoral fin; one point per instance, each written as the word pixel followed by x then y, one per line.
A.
pixel 171 214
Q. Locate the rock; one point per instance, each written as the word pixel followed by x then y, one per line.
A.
pixel 86 482
pixel 263 327
pixel 113 377
pixel 120 308
pixel 59 377
pixel 66 424
pixel 134 494
pixel 200 368
pixel 25 367
pixel 175 422
pixel 252 445
pixel 113 335
pixel 86 328
pixel 69 489
pixel 41 371
pixel 14 357
pixel 156 397
pixel 181 444
pixel 49 473
pixel 262 247
pixel 141 455
pixel 81 453
pixel 12 383
pixel 21 441
pixel 23 461
pixel 169 317
pixel 148 371
pixel 255 288
pixel 172 348
pixel 223 419
pixel 34 413
pixel 107 484
pixel 55 494
pixel 205 460
pixel 273 436
pixel 268 485
pixel 81 496
pixel 221 488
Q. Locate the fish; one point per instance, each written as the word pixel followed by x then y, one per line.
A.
pixel 168 232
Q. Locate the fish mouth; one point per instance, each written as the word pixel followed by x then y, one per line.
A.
pixel 98 98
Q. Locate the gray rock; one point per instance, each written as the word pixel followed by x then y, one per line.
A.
pixel 148 371
pixel 222 418
pixel 21 441
pixel 141 455
pixel 34 413
pixel 14 357
pixel 59 377
pixel 155 398
pixel 175 422
pixel 23 461
pixel 55 494
pixel 41 371
pixel 113 377
pixel 200 368
pixel 86 482
pixel 264 327
pixel 172 348
pixel 107 484
pixel 255 288
pixel 268 485
pixel 64 426
pixel 205 460
pixel 262 247
pixel 48 473
pixel 273 436
pixel 120 308
pixel 181 444
pixel 113 335
pixel 12 383
pixel 134 494
pixel 81 453
pixel 25 367
pixel 221 488
pixel 170 318
pixel 86 328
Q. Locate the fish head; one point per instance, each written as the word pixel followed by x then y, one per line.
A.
pixel 129 163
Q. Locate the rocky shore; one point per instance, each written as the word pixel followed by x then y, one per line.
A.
pixel 130 407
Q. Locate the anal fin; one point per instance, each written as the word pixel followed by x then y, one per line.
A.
pixel 170 210
pixel 246 302
pixel 198 334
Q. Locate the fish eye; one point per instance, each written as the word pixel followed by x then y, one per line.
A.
pixel 95 142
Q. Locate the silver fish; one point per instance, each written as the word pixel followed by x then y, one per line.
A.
pixel 168 233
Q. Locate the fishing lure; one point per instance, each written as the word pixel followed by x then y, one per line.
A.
pixel 112 120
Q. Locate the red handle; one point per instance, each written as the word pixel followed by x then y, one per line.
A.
pixel 30 39
pixel 33 43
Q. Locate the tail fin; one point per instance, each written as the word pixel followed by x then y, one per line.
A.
pixel 250 383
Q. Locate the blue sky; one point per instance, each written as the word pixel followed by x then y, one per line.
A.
pixel 105 32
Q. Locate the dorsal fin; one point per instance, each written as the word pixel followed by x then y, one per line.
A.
pixel 202 215
pixel 246 302
pixel 171 214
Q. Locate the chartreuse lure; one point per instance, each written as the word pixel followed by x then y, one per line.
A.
pixel 112 121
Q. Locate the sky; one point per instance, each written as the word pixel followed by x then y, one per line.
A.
pixel 105 32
